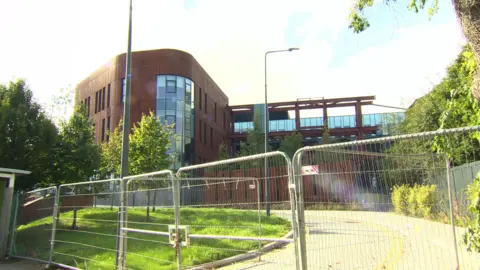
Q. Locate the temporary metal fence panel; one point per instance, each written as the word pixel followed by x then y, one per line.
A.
pixel 388 203
pixel 227 215
pixel 32 218
pixel 85 234
pixel 150 222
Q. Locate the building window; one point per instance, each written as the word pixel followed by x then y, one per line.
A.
pixel 211 137
pixel 215 112
pixel 103 100
pixel 88 106
pixel 224 119
pixel 99 101
pixel 108 96
pixel 124 89
pixel 200 129
pixel 204 133
pixel 108 129
pixel 103 129
pixel 206 110
pixel 96 101
pixel 200 99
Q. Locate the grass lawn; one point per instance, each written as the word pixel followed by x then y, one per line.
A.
pixel 95 237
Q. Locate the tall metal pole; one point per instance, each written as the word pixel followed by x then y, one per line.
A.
pixel 121 243
pixel 267 180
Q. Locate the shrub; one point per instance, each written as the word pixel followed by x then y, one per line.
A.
pixel 427 201
pixel 400 199
pixel 412 200
pixel 472 236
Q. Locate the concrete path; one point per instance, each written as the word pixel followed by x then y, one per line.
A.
pixel 14 264
pixel 371 240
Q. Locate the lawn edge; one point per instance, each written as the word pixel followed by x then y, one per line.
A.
pixel 243 257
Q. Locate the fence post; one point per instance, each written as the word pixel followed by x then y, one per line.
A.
pixel 54 224
pixel 119 263
pixel 293 206
pixel 14 225
pixel 300 209
pixel 176 204
pixel 452 212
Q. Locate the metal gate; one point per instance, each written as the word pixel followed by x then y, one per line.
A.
pixel 228 217
pixel 149 219
pixel 387 203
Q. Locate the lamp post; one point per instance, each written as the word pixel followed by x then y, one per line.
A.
pixel 122 215
pixel 267 181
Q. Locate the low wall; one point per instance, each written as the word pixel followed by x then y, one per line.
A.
pixel 43 207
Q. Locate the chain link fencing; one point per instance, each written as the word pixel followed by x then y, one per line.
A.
pixel 395 202
pixel 32 219
pixel 228 216
pixel 85 232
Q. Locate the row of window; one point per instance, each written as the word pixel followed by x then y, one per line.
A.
pixel 102 97
pixel 368 120
pixel 203 135
pixel 205 107
pixel 86 105
pixel 105 135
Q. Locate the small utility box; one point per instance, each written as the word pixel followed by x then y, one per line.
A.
pixel 7 183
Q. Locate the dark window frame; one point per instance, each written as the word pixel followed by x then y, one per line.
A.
pixel 96 101
pixel 103 129
pixel 211 137
pixel 206 103
pixel 200 99
pixel 108 129
pixel 103 99
pixel 108 95
pixel 215 112
pixel 205 133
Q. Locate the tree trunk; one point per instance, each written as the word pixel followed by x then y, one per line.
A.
pixel 468 13
pixel 148 205
pixel 154 200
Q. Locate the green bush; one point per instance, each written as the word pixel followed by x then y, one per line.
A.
pixel 472 236
pixel 427 201
pixel 400 199
pixel 419 200
pixel 412 200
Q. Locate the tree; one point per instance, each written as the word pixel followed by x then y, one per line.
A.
pixel 28 136
pixel 255 142
pixel 290 144
pixel 150 141
pixel 78 156
pixel 223 151
pixel 468 12
pixel 111 152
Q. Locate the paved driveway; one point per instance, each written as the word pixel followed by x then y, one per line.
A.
pixel 371 240
pixel 19 265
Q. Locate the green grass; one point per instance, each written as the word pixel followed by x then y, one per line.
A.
pixel 97 228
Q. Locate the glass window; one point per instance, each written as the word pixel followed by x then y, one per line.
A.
pixel 180 105
pixel 161 81
pixel 187 124
pixel 170 104
pixel 171 87
pixel 180 82
pixel 346 121
pixel 338 121
pixel 179 126
pixel 161 104
pixel 273 125
pixel 320 119
pixel 171 77
pixel 188 86
pixel 290 125
pixel 281 125
pixel 123 91
pixel 170 119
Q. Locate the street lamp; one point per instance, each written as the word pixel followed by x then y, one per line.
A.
pixel 122 215
pixel 267 181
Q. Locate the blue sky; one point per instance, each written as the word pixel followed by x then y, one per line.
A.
pixel 56 43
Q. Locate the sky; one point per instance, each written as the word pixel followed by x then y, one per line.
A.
pixel 54 44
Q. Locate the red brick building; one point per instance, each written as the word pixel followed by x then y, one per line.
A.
pixel 172 84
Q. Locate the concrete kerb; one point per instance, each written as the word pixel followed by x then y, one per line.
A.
pixel 244 257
